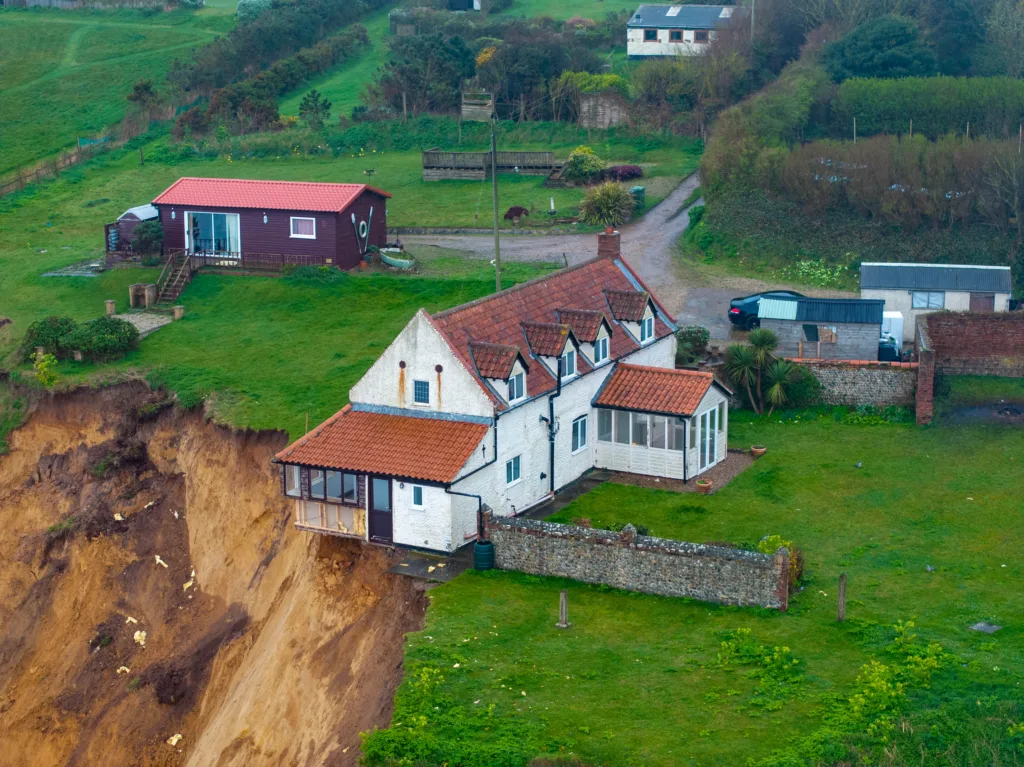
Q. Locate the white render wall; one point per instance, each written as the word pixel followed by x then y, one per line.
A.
pixel 426 528
pixel 522 433
pixel 635 45
pixel 901 301
pixel 422 348
pixel 711 400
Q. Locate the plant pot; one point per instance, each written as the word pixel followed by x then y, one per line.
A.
pixel 362 264
pixel 704 485
pixel 609 230
pixel 758 450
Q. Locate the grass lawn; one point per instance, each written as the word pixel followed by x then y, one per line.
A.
pixel 639 679
pixel 66 73
pixel 344 85
pixel 591 9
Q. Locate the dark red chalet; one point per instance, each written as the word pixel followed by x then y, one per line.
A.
pixel 298 221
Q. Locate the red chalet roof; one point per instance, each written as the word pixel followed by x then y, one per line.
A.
pixel 500 318
pixel 430 449
pixel 272 195
pixel 654 390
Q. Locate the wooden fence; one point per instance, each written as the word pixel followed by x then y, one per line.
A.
pixel 50 169
pixel 438 165
pixel 253 262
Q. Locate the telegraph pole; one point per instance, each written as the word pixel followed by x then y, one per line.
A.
pixel 494 195
pixel 753 3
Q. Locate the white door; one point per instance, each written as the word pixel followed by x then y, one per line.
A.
pixel 708 441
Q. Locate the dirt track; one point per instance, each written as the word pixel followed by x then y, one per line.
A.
pixel 283 648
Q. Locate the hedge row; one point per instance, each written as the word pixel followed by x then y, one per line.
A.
pixel 994 106
pixel 99 340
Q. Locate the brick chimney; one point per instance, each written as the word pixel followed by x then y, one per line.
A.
pixel 608 244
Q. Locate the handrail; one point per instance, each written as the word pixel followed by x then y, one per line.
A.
pixel 164 274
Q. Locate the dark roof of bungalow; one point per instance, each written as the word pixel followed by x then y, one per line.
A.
pixel 952 277
pixel 684 16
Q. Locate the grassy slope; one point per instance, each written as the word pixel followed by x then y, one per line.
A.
pixel 66 73
pixel 564 9
pixel 635 680
pixel 343 85
pixel 271 349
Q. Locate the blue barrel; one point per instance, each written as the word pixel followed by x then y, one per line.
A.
pixel 483 555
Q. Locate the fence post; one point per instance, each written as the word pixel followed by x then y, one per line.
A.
pixel 563 610
pixel 854 130
pixel 841 614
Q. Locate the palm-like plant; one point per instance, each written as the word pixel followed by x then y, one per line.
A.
pixel 764 342
pixel 777 377
pixel 742 368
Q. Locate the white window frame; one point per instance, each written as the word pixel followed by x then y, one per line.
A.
pixel 928 296
pixel 291 227
pixel 601 345
pixel 519 387
pixel 563 370
pixel 601 414
pixel 514 469
pixel 296 471
pixel 579 434
pixel 647 330
pixel 415 401
pixel 412 497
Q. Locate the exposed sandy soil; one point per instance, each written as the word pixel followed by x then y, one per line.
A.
pixel 284 648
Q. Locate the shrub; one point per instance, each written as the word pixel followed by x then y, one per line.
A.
pixel 889 46
pixel 607 204
pixel 805 389
pixel 102 339
pixel 583 165
pixel 148 237
pixel 623 173
pixel 44 367
pixel 46 333
pixel 248 10
pixel 771 543
pixel 691 343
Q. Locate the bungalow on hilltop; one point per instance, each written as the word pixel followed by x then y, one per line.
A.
pixel 677 30
pixel 503 401
pixel 297 221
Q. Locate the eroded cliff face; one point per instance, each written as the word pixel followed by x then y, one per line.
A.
pixel 262 645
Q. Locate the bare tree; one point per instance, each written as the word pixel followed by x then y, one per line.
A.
pixel 1004 181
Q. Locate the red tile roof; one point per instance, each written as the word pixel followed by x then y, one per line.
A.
pixel 547 339
pixel 272 195
pixel 654 390
pixel 628 305
pixel 494 360
pixel 430 449
pixel 585 323
pixel 498 319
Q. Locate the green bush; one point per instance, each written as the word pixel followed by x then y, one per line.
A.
pixel 691 343
pixel 102 339
pixel 805 389
pixel 148 237
pixel 248 10
pixel 47 333
pixel 889 46
pixel 582 165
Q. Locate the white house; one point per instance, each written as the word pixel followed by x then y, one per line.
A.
pixel 916 289
pixel 502 402
pixel 676 30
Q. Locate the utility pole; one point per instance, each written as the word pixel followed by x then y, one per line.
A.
pixel 753 3
pixel 494 195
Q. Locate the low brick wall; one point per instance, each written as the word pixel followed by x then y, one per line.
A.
pixel 864 382
pixel 640 563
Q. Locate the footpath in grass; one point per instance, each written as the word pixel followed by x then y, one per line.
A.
pixel 66 74
pixel 343 86
pixel 924 534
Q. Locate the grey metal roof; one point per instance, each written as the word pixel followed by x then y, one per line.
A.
pixel 684 16
pixel 141 212
pixel 983 279
pixel 856 310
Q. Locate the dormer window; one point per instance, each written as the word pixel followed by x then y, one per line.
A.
pixel 516 387
pixel 647 329
pixel 567 363
pixel 600 350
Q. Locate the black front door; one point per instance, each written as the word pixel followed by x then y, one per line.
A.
pixel 380 510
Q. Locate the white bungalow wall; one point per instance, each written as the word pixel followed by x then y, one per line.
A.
pixel 635 45
pixel 427 528
pixel 454 390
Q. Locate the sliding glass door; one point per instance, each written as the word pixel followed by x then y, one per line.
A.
pixel 212 232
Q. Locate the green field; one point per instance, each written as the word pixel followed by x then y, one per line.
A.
pixel 66 73
pixel 640 680
pixel 343 86
pixel 564 9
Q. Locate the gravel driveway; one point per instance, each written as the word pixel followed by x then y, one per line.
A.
pixel 648 244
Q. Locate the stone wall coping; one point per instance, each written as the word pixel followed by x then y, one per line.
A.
pixel 639 542
pixel 852 363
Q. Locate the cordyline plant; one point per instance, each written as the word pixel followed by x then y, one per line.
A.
pixel 762 375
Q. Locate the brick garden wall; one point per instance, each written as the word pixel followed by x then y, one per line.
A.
pixel 978 344
pixel 864 383
pixel 640 563
pixel 958 343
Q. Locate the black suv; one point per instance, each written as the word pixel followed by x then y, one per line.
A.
pixel 743 311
